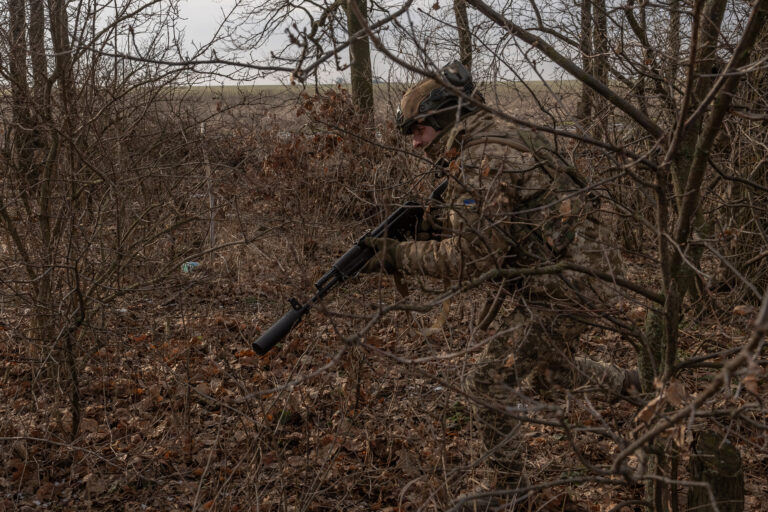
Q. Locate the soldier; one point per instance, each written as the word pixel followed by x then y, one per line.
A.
pixel 512 203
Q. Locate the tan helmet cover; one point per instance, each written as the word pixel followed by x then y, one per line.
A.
pixel 412 107
pixel 428 100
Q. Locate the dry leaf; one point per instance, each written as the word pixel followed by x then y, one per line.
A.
pixel 751 379
pixel 750 384
pixel 408 463
pixel 93 484
pixel 19 448
pixel 297 461
pixel 428 332
pixel 647 413
pixel 485 167
pixel 744 310
pixel 46 491
pixel 88 425
pixel 637 314
pixel 510 362
pixel 676 393
pixel 679 437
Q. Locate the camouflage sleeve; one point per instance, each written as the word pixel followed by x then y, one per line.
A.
pixel 478 201
pixel 461 254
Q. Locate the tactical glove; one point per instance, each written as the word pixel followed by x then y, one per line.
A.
pixel 385 259
pixel 429 227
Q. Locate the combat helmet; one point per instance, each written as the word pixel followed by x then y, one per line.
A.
pixel 429 102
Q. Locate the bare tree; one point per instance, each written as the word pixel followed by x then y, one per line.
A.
pixel 584 109
pixel 360 57
pixel 87 217
pixel 465 32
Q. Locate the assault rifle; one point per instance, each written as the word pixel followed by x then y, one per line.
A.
pixel 400 224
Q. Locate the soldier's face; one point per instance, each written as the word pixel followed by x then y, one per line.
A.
pixel 423 135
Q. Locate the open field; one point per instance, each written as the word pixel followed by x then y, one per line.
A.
pixel 238 93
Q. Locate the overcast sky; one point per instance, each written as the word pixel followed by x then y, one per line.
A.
pixel 203 17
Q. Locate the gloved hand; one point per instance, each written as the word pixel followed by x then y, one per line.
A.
pixel 385 259
pixel 429 227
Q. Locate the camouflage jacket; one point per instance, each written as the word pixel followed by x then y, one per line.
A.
pixel 511 202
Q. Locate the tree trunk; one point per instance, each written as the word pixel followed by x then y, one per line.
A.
pixel 360 58
pixel 674 45
pixel 465 35
pixel 717 463
pixel 38 57
pixel 649 355
pixel 600 61
pixel 746 248
pixel 17 66
pixel 706 63
pixel 584 108
pixel 711 19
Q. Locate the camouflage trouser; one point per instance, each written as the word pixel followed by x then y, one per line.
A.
pixel 535 354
